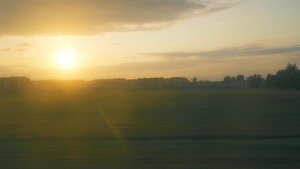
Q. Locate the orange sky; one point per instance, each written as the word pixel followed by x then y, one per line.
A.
pixel 91 39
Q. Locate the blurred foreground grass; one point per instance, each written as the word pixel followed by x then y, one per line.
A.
pixel 249 128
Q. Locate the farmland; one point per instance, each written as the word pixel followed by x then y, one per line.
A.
pixel 238 128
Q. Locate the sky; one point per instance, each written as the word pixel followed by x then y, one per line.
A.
pixel 92 39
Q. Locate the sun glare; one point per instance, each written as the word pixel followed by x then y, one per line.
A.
pixel 66 59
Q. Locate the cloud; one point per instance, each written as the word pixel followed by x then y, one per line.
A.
pixel 21 47
pixel 91 17
pixel 5 49
pixel 24 46
pixel 117 44
pixel 249 50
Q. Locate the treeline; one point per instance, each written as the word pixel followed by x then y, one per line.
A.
pixel 286 79
pixel 253 81
pixel 22 84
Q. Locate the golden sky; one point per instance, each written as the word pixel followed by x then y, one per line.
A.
pixel 92 39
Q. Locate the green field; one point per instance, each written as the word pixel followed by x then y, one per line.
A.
pixel 242 129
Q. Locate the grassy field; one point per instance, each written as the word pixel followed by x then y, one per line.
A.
pixel 257 128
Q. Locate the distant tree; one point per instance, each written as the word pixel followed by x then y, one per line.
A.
pixel 240 78
pixel 288 78
pixel 232 80
pixel 291 67
pixel 292 78
pixel 227 80
pixel 255 81
pixel 194 80
pixel 270 81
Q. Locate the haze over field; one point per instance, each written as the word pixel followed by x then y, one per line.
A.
pixel 92 39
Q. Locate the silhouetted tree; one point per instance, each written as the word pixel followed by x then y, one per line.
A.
pixel 194 83
pixel 232 80
pixel 255 81
pixel 271 81
pixel 240 78
pixel 292 77
pixel 226 80
pixel 288 78
pixel 194 80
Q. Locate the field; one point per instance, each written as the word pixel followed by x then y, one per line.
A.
pixel 242 129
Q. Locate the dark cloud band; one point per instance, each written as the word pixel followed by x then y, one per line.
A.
pixel 90 17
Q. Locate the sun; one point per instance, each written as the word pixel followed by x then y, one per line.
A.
pixel 66 59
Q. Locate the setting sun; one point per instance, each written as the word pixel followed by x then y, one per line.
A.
pixel 66 59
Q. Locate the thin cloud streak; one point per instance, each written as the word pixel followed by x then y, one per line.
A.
pixel 5 49
pixel 21 47
pixel 227 52
pixel 24 45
